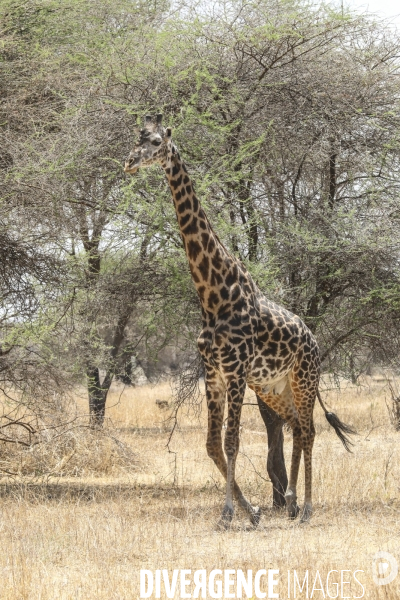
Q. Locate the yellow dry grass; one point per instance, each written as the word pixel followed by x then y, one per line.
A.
pixel 87 537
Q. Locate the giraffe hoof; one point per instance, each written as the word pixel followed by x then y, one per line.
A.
pixel 255 516
pixel 226 518
pixel 291 504
pixel 306 516
pixel 293 511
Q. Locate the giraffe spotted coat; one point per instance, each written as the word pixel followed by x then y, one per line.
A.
pixel 245 339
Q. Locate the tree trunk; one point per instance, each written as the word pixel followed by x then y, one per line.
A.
pixel 97 397
pixel 276 461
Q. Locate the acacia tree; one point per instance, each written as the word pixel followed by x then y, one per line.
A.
pixel 288 114
pixel 61 161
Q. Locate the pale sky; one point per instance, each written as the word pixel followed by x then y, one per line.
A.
pixel 384 8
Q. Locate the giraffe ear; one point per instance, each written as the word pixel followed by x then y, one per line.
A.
pixel 168 132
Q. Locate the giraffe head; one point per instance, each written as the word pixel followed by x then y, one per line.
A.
pixel 152 147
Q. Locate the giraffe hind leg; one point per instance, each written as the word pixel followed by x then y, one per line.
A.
pixel 304 394
pixel 274 442
pixel 307 452
pixel 284 406
pixel 291 492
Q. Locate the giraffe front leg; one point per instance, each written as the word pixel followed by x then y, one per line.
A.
pixel 235 394
pixel 216 392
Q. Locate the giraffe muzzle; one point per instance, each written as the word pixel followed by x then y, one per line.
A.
pixel 130 168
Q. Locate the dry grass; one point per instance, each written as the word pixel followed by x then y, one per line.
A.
pixel 87 536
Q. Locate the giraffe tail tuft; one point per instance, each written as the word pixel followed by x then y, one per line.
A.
pixel 341 429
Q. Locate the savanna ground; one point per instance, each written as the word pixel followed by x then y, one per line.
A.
pixel 86 530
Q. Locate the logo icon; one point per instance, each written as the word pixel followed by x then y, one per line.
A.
pixel 384 568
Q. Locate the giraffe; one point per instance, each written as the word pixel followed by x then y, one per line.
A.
pixel 245 338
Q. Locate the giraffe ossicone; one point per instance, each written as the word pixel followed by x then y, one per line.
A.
pixel 245 339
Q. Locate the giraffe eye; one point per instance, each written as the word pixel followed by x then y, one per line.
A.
pixel 156 142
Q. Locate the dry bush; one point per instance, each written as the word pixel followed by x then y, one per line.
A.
pixel 78 452
pixel 54 440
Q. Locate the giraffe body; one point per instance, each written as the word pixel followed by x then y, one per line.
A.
pixel 245 339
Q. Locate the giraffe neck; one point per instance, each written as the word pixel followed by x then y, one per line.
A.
pixel 214 271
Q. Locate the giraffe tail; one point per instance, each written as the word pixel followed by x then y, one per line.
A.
pixel 342 430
